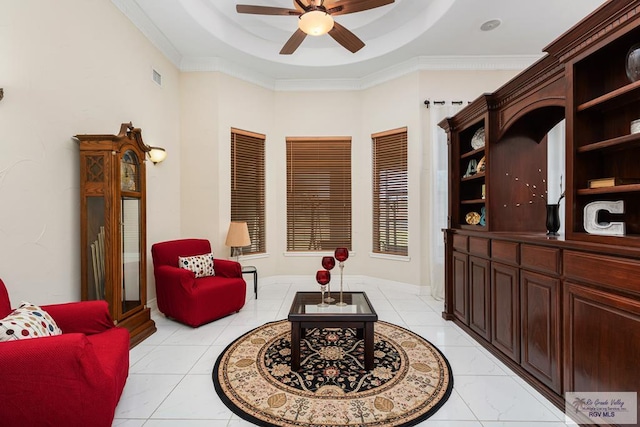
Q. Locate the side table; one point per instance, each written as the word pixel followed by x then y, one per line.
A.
pixel 250 269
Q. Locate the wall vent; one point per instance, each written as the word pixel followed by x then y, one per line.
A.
pixel 157 77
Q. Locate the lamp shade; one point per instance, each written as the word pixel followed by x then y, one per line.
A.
pixel 315 23
pixel 157 154
pixel 238 235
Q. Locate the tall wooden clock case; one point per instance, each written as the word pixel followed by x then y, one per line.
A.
pixel 113 227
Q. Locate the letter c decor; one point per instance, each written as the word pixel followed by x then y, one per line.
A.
pixel 591 224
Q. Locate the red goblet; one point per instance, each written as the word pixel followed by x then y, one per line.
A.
pixel 323 277
pixel 341 255
pixel 328 262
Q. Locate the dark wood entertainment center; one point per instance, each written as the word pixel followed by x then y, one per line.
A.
pixel 562 311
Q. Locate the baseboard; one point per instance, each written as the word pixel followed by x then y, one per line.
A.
pixel 351 282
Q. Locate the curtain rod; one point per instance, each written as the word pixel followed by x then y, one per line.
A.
pixel 428 102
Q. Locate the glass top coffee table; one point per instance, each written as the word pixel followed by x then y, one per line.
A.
pixel 358 314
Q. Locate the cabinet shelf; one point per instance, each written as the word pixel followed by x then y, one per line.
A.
pixel 472 202
pixel 472 227
pixel 473 177
pixel 472 153
pixel 619 96
pixel 629 188
pixel 628 238
pixel 619 143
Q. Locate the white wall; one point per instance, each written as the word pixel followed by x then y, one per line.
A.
pixel 212 103
pixel 70 67
pixel 389 106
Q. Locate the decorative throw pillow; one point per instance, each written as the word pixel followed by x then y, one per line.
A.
pixel 201 265
pixel 27 321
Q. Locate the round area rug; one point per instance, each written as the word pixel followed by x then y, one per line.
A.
pixel 411 378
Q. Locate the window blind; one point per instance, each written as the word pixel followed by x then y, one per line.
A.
pixel 318 193
pixel 248 186
pixel 390 193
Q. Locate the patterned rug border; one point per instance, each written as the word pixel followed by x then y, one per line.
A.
pixel 247 417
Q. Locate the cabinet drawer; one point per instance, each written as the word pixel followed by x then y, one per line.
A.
pixel 479 246
pixel 617 273
pixel 504 251
pixel 460 243
pixel 540 258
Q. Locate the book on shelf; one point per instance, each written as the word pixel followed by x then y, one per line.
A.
pixel 612 182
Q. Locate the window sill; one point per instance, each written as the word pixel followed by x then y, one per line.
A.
pixel 314 254
pixel 402 258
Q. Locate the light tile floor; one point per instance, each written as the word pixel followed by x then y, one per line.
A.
pixel 170 373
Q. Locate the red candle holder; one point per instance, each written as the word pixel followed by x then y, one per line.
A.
pixel 323 277
pixel 341 254
pixel 328 262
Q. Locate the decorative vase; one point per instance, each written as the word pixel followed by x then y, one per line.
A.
pixel 633 63
pixel 553 219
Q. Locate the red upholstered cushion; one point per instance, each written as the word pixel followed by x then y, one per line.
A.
pixel 167 253
pixel 87 317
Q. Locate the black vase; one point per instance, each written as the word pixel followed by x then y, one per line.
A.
pixel 553 219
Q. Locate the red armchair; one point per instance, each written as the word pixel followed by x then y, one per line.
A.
pixel 73 379
pixel 190 300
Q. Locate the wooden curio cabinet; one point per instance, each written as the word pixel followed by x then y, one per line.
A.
pixel 113 227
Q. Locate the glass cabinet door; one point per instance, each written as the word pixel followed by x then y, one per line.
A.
pixel 96 259
pixel 130 237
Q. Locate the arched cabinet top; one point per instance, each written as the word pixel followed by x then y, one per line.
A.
pixel 128 135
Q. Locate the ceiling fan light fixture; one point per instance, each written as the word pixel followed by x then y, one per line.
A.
pixel 315 23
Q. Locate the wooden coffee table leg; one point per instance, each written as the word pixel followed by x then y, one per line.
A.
pixel 295 346
pixel 368 345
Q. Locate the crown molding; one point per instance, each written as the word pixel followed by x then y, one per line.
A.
pixel 132 11
pixel 422 63
pixel 217 64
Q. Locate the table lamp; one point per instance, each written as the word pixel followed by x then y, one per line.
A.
pixel 237 237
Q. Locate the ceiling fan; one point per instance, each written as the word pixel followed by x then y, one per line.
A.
pixel 316 19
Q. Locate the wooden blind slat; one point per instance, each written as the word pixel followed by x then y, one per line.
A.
pixel 248 186
pixel 390 192
pixel 318 193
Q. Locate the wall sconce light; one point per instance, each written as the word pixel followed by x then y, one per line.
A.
pixel 157 154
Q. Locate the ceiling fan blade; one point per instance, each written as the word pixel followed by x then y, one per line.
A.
pixel 265 10
pixel 346 38
pixel 292 44
pixel 345 7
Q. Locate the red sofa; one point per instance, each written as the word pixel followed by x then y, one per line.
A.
pixel 73 379
pixel 190 300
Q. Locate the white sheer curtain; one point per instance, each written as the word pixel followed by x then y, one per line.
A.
pixel 438 197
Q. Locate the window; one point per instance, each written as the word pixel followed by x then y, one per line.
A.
pixel 247 186
pixel 390 193
pixel 318 194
